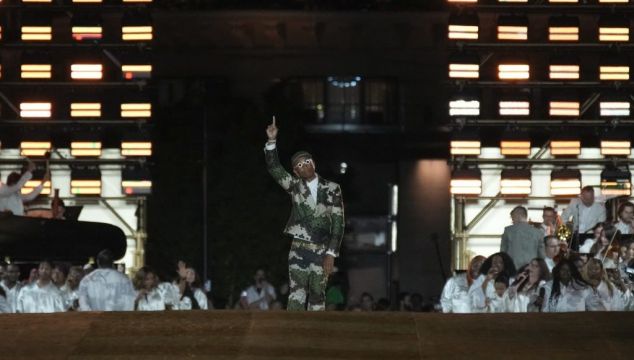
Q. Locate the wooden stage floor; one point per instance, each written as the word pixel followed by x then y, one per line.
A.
pixel 332 335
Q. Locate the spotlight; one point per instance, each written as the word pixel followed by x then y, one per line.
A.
pixel 563 28
pixel 136 181
pixel 615 182
pixel 136 148
pixel 565 147
pixel 85 181
pixel 85 110
pixel 35 148
pixel 616 144
pixel 614 29
pixel 565 182
pixel 464 67
pixel 515 145
pixel 466 182
pixel 515 182
pixel 512 28
pixel 35 109
pixel 465 145
pixel 463 27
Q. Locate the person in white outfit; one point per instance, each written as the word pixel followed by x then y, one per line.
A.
pixel 568 291
pixel 525 294
pixel 455 294
pixel 11 197
pixel 482 291
pixel 41 296
pixel 106 289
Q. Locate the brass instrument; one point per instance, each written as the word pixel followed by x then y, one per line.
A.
pixel 564 233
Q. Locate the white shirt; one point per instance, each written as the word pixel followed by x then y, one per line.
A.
pixel 312 186
pixel 585 217
pixel 455 295
pixel 69 295
pixel 624 228
pixel 252 295
pixel 524 301
pixel 152 301
pixel 603 301
pixel 4 305
pixel 12 294
pixel 201 298
pixel 11 198
pixel 106 290
pixel 550 263
pixel 587 246
pixel 482 301
pixel 35 299
pixel 572 298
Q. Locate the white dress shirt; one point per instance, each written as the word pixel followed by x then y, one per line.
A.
pixel 252 295
pixel 550 263
pixel 624 228
pixel 455 295
pixel 11 198
pixel 69 295
pixel 106 290
pixel 523 301
pixel 152 301
pixel 12 294
pixel 35 299
pixel 585 217
pixel 186 303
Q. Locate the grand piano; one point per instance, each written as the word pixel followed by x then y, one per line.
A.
pixel 29 239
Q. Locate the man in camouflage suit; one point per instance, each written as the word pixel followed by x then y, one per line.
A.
pixel 316 224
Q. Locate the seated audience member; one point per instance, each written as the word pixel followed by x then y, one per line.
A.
pixel 70 290
pixel 367 302
pixel 59 273
pixel 609 298
pixel 41 296
pixel 11 285
pixel 482 291
pixel 106 289
pixel 524 294
pixel 455 294
pixel 568 291
pixel 259 295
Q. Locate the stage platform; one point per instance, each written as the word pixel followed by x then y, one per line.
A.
pixel 332 335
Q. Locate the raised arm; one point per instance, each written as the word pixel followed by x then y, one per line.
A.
pixel 338 223
pixel 279 174
pixel 6 190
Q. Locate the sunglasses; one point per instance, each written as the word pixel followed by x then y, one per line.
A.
pixel 304 163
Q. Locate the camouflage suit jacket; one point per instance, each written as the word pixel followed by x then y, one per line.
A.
pixel 320 222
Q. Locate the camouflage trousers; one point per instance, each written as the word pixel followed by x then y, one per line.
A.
pixel 306 275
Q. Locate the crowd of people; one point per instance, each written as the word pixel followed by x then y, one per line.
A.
pixel 56 287
pixel 539 269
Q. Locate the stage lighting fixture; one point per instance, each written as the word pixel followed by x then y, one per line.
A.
pixel 37 33
pixel 464 107
pixel 466 182
pixel 136 71
pixel 135 1
pixel 136 27
pixel 614 108
pixel 515 145
pixel 563 70
pixel 85 148
pixel 616 182
pixel 512 1
pixel 85 110
pixel 614 72
pixel 462 1
pixel 36 71
pixel 616 144
pixel 563 1
pixel 35 109
pixel 85 181
pixel 463 27
pixel 34 148
pixel 614 29
pixel 36 1
pixel 87 33
pixel 36 180
pixel 136 181
pixel 614 1
pixel 86 71
pixel 563 108
pixel 515 182
pixel 466 145
pixel 136 110
pixel 136 148
pixel 514 71
pixel 464 67
pixel 87 1
pixel 565 147
pixel 563 28
pixel 514 107
pixel 565 182
pixel 512 28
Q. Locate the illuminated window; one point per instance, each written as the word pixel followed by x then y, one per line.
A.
pixel 87 33
pixel 465 147
pixel 35 71
pixel 34 148
pixel 513 71
pixel 615 182
pixel 515 182
pixel 86 71
pixel 565 147
pixel 614 108
pixel 514 108
pixel 563 72
pixel 463 28
pixel 515 147
pixel 463 107
pixel 35 110
pixel 614 72
pixel 136 71
pixel 512 28
pixel 466 182
pixel 564 108
pixel 565 182
pixel 85 109
pixel 136 148
pixel 85 148
pixel 37 33
pixel 136 110
pixel 136 33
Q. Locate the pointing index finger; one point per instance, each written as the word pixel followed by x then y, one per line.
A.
pixel 273 120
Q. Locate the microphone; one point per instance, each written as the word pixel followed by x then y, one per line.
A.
pixel 540 298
